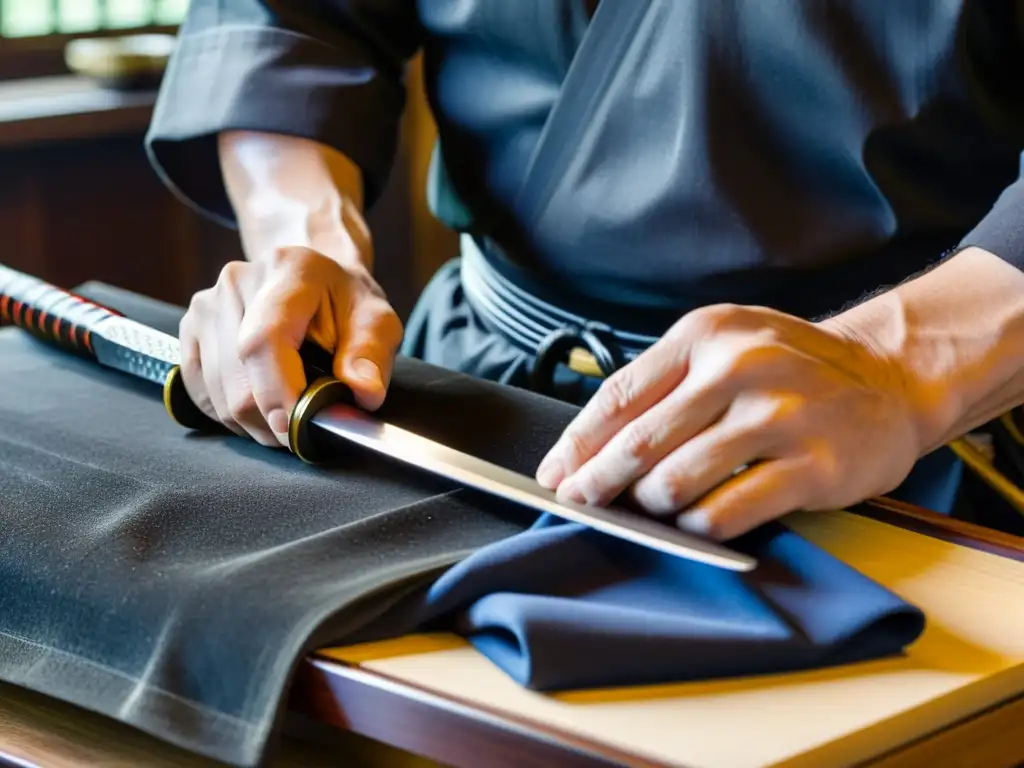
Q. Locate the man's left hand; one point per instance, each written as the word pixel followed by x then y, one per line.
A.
pixel 739 415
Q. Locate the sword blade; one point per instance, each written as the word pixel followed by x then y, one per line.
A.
pixel 341 421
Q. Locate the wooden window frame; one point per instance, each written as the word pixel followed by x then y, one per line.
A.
pixel 43 56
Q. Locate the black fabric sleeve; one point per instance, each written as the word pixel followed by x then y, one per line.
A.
pixel 331 72
pixel 1001 232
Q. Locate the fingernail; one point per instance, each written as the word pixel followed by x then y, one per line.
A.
pixel 569 490
pixel 550 472
pixel 368 371
pixel 695 521
pixel 278 422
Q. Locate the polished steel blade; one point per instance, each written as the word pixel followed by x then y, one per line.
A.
pixel 366 430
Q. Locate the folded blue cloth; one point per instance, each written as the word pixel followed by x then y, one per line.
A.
pixel 561 606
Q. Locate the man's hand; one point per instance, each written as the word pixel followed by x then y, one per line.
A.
pixel 308 274
pixel 739 415
pixel 240 338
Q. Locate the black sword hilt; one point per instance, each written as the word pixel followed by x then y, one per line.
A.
pixel 99 333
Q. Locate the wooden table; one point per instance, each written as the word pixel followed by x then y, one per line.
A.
pixel 462 734
pixel 350 716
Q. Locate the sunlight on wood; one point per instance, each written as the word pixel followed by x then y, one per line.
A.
pixel 971 656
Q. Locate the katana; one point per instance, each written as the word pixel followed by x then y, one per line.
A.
pixel 324 419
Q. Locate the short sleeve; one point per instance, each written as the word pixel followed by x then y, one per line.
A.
pixel 330 72
pixel 1001 231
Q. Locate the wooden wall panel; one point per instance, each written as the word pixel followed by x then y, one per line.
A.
pixel 93 209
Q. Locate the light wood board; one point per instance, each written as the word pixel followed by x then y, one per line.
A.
pixel 970 657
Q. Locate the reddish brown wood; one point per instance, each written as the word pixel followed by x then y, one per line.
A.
pixel 80 201
pixel 465 735
pixel 440 728
pixel 920 520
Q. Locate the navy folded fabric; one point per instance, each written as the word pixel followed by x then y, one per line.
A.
pixel 173 581
pixel 561 606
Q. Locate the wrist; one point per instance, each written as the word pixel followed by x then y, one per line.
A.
pixel 883 329
pixel 954 338
pixel 333 227
pixel 289 191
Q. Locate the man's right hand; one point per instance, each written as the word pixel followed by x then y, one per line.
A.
pixel 308 273
pixel 240 338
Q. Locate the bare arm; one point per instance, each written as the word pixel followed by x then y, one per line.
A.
pixel 294 192
pixel 958 334
pixel 741 414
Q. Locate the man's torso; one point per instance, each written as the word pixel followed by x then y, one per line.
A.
pixel 671 152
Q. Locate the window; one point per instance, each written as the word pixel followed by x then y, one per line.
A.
pixel 35 18
pixel 33 33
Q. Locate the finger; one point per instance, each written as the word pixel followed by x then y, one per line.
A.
pixel 620 399
pixel 697 467
pixel 365 357
pixel 645 442
pixel 269 338
pixel 238 397
pixel 213 383
pixel 754 496
pixel 192 369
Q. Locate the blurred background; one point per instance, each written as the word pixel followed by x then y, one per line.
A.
pixel 78 199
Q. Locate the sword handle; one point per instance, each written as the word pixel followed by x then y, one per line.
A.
pixel 82 327
pixel 49 313
pixel 73 324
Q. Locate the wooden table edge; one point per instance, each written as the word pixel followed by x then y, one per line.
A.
pixel 460 733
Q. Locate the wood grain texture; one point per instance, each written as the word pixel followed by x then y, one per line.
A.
pixel 38 731
pixel 929 523
pixel 438 728
pixel 451 700
pixel 80 201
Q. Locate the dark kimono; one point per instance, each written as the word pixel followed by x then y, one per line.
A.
pixel 658 156
pixel 633 164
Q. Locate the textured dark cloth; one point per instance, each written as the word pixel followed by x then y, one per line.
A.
pixel 796 153
pixel 173 581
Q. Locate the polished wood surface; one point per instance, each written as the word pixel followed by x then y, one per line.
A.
pixel 941 527
pixel 991 739
pixel 457 731
pixel 38 731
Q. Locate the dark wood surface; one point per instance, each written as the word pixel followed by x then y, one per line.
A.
pixel 941 527
pixel 466 735
pixel 438 727
pixel 79 201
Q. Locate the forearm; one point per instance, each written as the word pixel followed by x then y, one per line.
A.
pixel 289 191
pixel 956 337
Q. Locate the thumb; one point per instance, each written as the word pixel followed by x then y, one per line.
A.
pixel 365 356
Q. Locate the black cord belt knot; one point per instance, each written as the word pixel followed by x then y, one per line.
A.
pixel 558 346
pixel 541 328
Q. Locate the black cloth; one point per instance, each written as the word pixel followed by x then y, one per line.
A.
pixel 796 154
pixel 173 581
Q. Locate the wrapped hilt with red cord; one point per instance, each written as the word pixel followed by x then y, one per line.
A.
pixel 82 327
